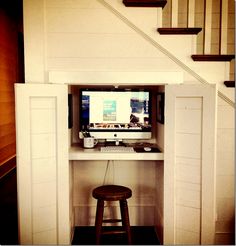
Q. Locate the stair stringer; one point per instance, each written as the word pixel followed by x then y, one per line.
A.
pixel 178 48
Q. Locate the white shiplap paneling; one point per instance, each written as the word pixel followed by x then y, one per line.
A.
pixel 42 163
pixel 189 164
pixel 188 167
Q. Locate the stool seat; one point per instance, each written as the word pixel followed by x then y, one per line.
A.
pixel 112 192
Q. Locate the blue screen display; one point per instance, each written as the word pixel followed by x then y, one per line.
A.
pixel 119 110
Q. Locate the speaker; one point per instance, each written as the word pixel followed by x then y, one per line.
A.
pixel 70 111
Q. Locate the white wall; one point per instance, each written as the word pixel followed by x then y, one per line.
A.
pixel 83 37
pixel 139 176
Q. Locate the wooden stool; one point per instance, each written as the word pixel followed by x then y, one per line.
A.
pixel 112 193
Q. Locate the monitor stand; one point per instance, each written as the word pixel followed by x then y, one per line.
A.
pixel 114 142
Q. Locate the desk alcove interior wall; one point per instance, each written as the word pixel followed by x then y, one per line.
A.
pixel 142 172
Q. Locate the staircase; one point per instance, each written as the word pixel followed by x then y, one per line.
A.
pixel 174 5
pixel 213 55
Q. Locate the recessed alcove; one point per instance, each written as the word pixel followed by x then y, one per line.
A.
pixel 144 175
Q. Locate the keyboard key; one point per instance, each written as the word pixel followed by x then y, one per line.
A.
pixel 117 149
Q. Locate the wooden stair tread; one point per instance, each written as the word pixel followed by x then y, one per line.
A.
pixel 229 83
pixel 179 30
pixel 145 3
pixel 213 57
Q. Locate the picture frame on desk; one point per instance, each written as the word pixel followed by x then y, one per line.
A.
pixel 160 107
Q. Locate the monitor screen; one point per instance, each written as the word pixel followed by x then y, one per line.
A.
pixel 116 114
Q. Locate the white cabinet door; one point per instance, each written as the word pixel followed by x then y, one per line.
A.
pixel 189 164
pixel 42 163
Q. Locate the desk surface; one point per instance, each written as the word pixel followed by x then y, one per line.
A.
pixel 78 153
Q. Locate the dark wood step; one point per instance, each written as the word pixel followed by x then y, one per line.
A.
pixel 229 83
pixel 181 31
pixel 145 3
pixel 213 58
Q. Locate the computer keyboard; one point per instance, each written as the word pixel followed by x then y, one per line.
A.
pixel 117 149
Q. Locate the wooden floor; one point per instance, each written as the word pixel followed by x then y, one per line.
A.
pixel 8 209
pixel 141 235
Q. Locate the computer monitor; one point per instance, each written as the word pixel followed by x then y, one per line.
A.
pixel 115 115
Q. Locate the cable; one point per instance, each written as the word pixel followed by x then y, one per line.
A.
pixel 107 167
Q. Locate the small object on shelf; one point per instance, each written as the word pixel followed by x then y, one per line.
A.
pixel 160 107
pixel 85 133
pixel 147 148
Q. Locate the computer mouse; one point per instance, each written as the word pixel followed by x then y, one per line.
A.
pixel 147 148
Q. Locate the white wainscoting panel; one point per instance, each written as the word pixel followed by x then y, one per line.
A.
pixel 189 165
pixel 42 163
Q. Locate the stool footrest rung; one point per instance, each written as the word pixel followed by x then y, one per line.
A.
pixel 112 220
pixel 113 232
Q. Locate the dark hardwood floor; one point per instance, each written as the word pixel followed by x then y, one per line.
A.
pixel 8 209
pixel 141 235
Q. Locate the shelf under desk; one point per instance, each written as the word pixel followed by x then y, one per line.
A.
pixel 79 153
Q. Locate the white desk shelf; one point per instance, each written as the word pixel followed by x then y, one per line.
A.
pixel 78 153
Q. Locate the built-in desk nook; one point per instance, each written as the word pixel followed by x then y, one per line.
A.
pixel 124 116
pixel 56 175
pixel 140 171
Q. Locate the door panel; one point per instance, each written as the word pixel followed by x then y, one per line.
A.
pixel 189 166
pixel 42 163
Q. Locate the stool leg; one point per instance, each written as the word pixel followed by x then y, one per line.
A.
pixel 98 220
pixel 125 219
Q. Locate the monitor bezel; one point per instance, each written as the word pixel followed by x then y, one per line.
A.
pixel 118 133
